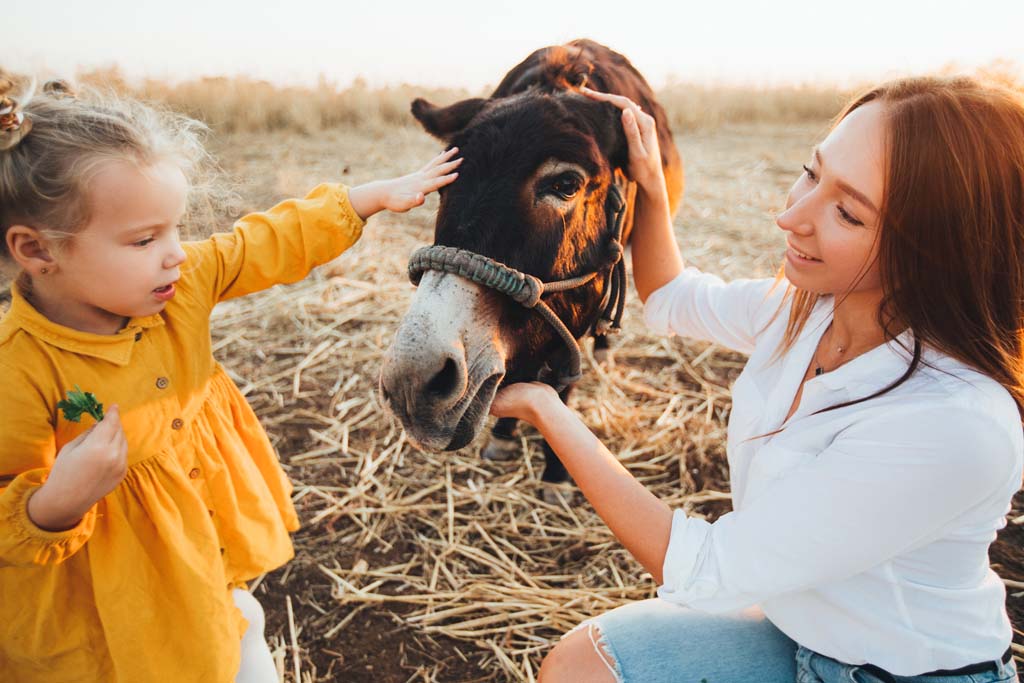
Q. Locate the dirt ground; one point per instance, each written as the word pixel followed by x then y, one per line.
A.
pixel 328 619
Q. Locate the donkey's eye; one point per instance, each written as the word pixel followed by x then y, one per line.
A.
pixel 566 185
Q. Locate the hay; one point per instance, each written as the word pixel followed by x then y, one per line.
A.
pixel 471 550
pixel 444 567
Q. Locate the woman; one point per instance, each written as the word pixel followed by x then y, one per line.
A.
pixel 875 440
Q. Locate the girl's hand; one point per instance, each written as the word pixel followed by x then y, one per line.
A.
pixel 642 137
pixel 526 401
pixel 408 191
pixel 86 469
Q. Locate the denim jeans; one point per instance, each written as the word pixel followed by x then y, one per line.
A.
pixel 653 641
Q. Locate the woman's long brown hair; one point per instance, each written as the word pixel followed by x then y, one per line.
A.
pixel 951 243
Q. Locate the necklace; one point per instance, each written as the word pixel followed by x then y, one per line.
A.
pixel 818 368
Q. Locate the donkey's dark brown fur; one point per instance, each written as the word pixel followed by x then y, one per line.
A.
pixel 539 159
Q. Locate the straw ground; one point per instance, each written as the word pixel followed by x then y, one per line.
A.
pixel 445 567
pixel 422 567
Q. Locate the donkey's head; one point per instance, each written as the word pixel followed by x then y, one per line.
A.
pixel 533 193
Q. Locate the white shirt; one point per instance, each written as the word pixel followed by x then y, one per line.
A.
pixel 862 532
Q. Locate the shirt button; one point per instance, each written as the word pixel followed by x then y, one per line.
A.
pixel 138 336
pixel 177 423
pixel 193 473
pixel 162 382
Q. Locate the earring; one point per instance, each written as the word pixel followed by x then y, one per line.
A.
pixel 44 271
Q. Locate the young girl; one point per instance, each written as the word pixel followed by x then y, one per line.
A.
pixel 125 545
pixel 875 439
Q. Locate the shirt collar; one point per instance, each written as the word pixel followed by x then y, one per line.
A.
pixel 869 372
pixel 114 348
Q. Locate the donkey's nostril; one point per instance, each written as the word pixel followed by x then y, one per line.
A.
pixel 444 383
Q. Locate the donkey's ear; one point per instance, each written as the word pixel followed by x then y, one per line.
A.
pixel 605 123
pixel 445 122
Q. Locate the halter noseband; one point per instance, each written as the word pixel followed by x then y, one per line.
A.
pixel 527 290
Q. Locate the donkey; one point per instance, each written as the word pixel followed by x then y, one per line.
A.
pixel 527 254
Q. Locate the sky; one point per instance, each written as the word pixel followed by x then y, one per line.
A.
pixel 471 44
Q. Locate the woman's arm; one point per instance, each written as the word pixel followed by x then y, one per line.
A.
pixel 636 516
pixel 656 259
pixel 886 485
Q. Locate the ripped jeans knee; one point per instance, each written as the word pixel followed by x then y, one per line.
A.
pixel 600 645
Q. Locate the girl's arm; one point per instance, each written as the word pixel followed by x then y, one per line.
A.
pixel 282 245
pixel 48 499
pixel 656 259
pixel 408 191
pixel 636 516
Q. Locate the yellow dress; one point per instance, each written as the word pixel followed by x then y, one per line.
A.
pixel 138 590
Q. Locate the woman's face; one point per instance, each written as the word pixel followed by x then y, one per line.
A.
pixel 831 216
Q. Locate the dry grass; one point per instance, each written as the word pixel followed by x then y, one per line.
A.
pixel 426 567
pixel 241 104
pixel 451 545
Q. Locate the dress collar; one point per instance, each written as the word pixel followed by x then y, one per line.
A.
pixel 114 348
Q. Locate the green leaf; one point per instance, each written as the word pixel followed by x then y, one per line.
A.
pixel 79 402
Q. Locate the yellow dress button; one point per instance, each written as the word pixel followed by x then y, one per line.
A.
pixel 177 423
pixel 138 336
pixel 162 382
pixel 193 473
pixel 211 512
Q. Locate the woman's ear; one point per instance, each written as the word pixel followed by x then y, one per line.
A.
pixel 29 249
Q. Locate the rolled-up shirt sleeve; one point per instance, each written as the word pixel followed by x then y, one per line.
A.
pixel 703 306
pixel 884 487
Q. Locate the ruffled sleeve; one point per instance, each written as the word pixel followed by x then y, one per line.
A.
pixel 279 246
pixel 27 452
pixel 21 541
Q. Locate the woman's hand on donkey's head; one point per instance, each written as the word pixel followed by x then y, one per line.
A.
pixel 642 137
pixel 409 191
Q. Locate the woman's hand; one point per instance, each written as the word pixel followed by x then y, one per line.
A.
pixel 86 469
pixel 642 137
pixel 656 258
pixel 408 191
pixel 526 401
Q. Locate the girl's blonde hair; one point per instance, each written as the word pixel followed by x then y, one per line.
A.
pixel 51 153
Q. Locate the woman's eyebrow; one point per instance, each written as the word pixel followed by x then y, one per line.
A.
pixel 847 188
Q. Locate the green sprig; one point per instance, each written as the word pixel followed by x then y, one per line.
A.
pixel 79 402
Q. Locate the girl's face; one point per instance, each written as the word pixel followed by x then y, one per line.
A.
pixel 124 262
pixel 831 214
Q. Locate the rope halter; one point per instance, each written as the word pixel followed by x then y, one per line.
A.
pixel 528 290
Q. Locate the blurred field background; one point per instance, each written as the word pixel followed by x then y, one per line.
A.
pixel 445 567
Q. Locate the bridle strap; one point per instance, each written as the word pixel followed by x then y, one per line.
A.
pixel 527 290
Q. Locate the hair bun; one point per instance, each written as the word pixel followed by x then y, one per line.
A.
pixel 13 124
pixel 58 87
